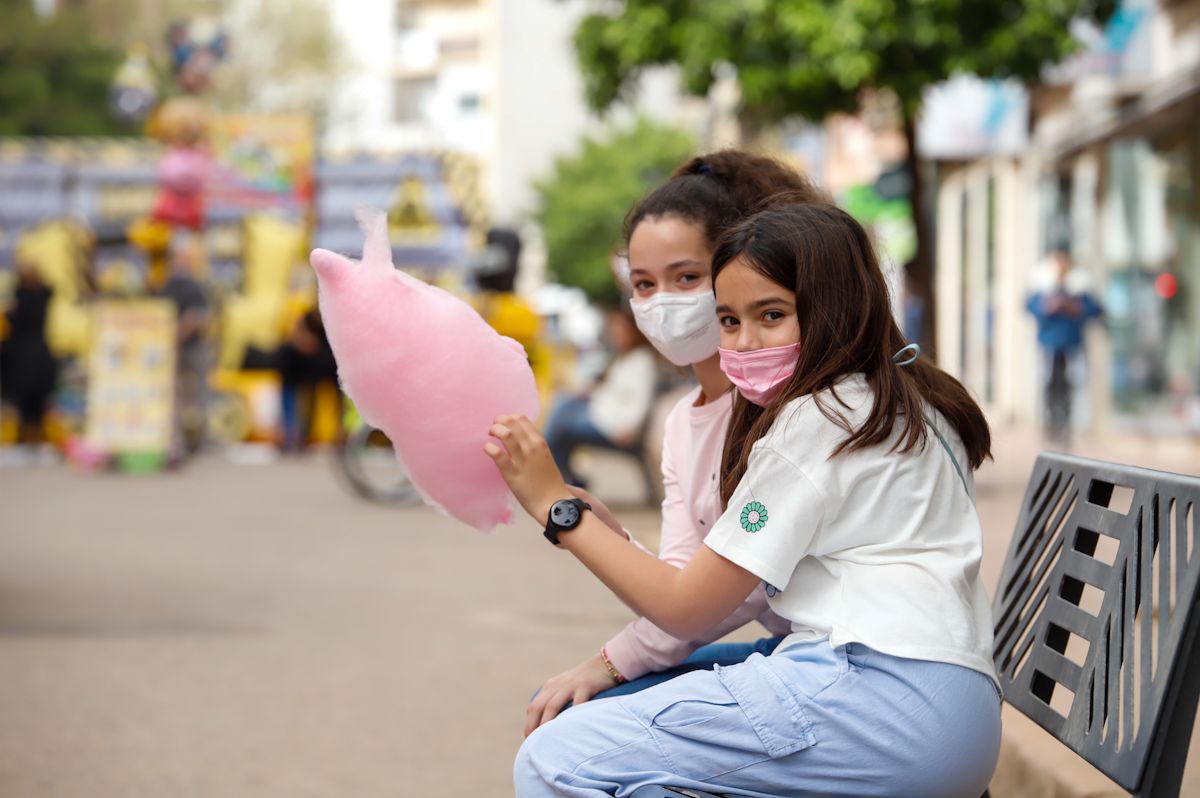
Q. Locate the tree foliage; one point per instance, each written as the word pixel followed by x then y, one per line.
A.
pixel 814 57
pixel 54 74
pixel 585 199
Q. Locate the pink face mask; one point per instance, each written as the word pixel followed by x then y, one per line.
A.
pixel 759 374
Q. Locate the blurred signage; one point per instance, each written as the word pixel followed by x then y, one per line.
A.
pixel 1122 48
pixel 429 200
pixel 131 376
pixel 260 162
pixel 967 117
pixel 410 217
pixel 886 211
pixel 121 201
pixel 263 163
pixel 31 191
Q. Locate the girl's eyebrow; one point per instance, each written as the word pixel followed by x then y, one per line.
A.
pixel 679 264
pixel 771 300
pixel 756 304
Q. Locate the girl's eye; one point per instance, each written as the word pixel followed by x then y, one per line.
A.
pixel 688 278
pixel 772 315
pixel 728 321
pixel 643 285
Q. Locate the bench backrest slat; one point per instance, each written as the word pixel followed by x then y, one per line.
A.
pixel 1096 612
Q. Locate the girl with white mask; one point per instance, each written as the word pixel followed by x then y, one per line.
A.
pixel 670 236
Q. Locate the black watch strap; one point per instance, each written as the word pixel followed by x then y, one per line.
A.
pixel 566 518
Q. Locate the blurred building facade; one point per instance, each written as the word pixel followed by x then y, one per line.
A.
pixel 493 79
pixel 1109 171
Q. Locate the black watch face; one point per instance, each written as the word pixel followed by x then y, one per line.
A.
pixel 564 514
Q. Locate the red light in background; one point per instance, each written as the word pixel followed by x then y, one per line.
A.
pixel 1166 286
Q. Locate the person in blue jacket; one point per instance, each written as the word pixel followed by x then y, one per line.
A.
pixel 1062 310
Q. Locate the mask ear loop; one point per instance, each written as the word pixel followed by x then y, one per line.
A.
pixel 900 360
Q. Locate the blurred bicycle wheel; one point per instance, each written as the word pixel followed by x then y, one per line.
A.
pixel 369 466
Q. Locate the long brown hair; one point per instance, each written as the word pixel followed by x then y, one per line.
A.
pixel 720 189
pixel 846 326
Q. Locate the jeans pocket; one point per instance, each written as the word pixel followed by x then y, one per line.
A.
pixel 771 709
pixel 707 723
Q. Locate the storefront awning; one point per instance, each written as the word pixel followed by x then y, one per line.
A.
pixel 1147 107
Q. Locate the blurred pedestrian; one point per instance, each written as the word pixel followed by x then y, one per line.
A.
pixel 613 412
pixel 30 370
pixel 495 273
pixel 192 359
pixel 305 363
pixel 1062 309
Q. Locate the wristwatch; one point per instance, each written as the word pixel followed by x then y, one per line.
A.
pixel 565 515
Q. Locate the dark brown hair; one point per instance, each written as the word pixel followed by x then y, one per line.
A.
pixel 720 189
pixel 846 327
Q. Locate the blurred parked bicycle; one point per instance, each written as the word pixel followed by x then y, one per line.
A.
pixel 366 462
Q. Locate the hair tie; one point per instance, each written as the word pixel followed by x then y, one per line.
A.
pixel 704 169
pixel 912 350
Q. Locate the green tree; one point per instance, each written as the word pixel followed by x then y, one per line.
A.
pixel 54 75
pixel 587 195
pixel 810 58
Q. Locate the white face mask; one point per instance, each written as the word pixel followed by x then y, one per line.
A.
pixel 682 327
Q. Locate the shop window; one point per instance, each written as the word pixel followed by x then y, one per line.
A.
pixel 1152 249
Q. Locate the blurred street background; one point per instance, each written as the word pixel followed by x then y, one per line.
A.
pixel 214 579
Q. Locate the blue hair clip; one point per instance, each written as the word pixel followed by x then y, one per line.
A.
pixel 900 360
pixel 704 169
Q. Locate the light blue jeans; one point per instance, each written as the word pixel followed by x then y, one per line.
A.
pixel 810 720
pixel 568 427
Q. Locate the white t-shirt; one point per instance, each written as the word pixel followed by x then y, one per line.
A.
pixel 870 546
pixel 620 403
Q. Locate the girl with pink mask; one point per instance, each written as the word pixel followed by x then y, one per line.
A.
pixel 848 503
pixel 670 236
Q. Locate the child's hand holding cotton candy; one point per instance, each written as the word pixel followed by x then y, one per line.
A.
pixel 425 368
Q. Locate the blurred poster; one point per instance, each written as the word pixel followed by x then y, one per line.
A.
pixel 967 117
pixel 260 162
pixel 32 189
pixel 432 204
pixel 131 376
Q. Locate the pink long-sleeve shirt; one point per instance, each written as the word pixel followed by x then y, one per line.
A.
pixel 691 463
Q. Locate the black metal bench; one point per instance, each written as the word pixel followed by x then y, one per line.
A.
pixel 1097 633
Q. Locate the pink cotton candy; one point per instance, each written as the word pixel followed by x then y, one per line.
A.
pixel 424 367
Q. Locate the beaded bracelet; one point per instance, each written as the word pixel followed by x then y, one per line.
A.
pixel 612 669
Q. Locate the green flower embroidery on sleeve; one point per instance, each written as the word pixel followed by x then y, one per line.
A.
pixel 754 516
